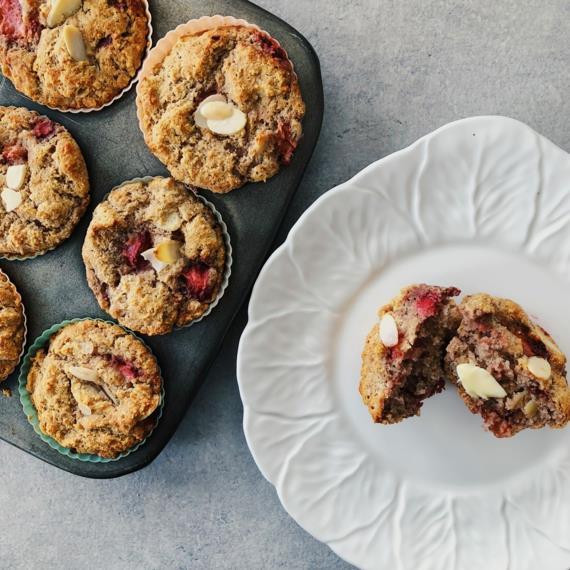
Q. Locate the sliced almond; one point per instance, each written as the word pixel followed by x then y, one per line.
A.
pixel 150 256
pixel 199 119
pixel 15 176
pixel 74 43
pixel 171 222
pixel 478 383
pixel 87 347
pixel 229 126
pixel 539 367
pixel 388 331
pixel 60 10
pixel 217 110
pixel 531 409
pixel 10 199
pixel 86 374
pixel 168 251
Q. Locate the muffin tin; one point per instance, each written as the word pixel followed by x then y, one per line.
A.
pixel 54 287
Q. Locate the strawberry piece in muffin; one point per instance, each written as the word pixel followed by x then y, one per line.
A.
pixel 507 368
pixel 402 362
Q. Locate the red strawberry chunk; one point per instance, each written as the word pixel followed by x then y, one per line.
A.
pixel 44 128
pixel 127 369
pixel 196 279
pixel 11 22
pixel 14 153
pixel 137 244
pixel 270 46
pixel 427 303
pixel 284 143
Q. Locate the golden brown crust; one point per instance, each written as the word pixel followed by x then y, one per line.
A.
pixel 497 335
pixel 109 414
pixel 12 327
pixel 55 193
pixel 252 72
pixel 115 33
pixel 135 293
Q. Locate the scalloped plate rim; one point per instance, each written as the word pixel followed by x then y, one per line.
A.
pixel 273 259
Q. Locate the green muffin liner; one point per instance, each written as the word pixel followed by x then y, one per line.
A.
pixel 31 412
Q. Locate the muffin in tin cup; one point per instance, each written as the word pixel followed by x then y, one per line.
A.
pixel 157 255
pixel 219 103
pixel 91 389
pixel 74 55
pixel 44 185
pixel 12 327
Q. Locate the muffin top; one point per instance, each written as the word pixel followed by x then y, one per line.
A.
pixel 44 188
pixel 507 368
pixel 222 108
pixel 12 327
pixel 95 388
pixel 155 255
pixel 72 54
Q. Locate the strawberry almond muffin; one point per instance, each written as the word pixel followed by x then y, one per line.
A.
pixel 155 255
pixel 220 107
pixel 72 54
pixel 508 369
pixel 402 362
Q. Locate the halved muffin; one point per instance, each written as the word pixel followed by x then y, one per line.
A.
pixel 507 368
pixel 402 361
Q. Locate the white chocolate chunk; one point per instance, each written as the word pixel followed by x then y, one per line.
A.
pixel 230 126
pixel 60 10
pixel 74 43
pixel 217 110
pixel 150 256
pixel 199 119
pixel 10 199
pixel 388 331
pixel 83 373
pixel 478 383
pixel 15 176
pixel 168 251
pixel 539 367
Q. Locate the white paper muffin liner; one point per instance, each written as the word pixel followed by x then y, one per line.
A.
pixel 131 83
pixel 225 234
pixel 162 48
pixel 19 297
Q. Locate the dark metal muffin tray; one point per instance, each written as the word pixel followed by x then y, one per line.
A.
pixel 54 287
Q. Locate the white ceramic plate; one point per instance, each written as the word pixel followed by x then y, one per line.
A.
pixel 483 204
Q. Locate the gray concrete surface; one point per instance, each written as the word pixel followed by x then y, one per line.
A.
pixel 393 71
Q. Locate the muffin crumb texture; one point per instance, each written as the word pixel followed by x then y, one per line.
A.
pixel 223 108
pixel 73 54
pixel 44 187
pixel 12 327
pixel 402 362
pixel 155 255
pixel 507 368
pixel 96 388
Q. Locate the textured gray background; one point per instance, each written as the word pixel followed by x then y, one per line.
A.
pixel 393 71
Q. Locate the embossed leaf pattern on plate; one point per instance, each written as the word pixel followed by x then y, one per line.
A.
pixel 484 182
